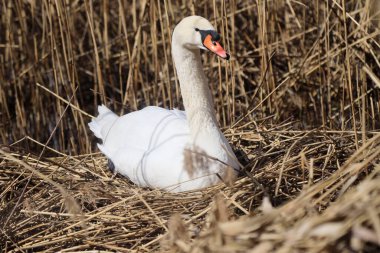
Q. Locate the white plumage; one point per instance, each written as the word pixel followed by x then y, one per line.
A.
pixel 171 149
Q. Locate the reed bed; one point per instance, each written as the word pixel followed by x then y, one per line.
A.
pixel 299 100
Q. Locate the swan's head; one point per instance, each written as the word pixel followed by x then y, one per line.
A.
pixel 197 32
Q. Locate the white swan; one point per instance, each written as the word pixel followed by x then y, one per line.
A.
pixel 171 149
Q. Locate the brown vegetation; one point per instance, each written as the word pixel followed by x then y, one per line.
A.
pixel 299 99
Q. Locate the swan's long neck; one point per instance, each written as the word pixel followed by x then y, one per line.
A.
pixel 196 95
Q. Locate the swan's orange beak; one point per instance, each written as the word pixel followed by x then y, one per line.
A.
pixel 215 47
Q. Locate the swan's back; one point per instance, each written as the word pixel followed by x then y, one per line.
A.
pixel 143 129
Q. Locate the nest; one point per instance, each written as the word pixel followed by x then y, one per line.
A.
pixel 73 203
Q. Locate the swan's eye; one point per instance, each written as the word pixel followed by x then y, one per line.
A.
pixel 196 29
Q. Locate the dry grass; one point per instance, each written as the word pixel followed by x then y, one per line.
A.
pixel 115 215
pixel 299 99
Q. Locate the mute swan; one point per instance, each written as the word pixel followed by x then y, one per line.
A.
pixel 170 149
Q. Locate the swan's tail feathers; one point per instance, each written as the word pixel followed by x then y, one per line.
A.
pixel 95 128
pixel 102 109
pixel 102 124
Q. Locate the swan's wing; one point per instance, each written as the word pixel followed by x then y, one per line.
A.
pixel 153 136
